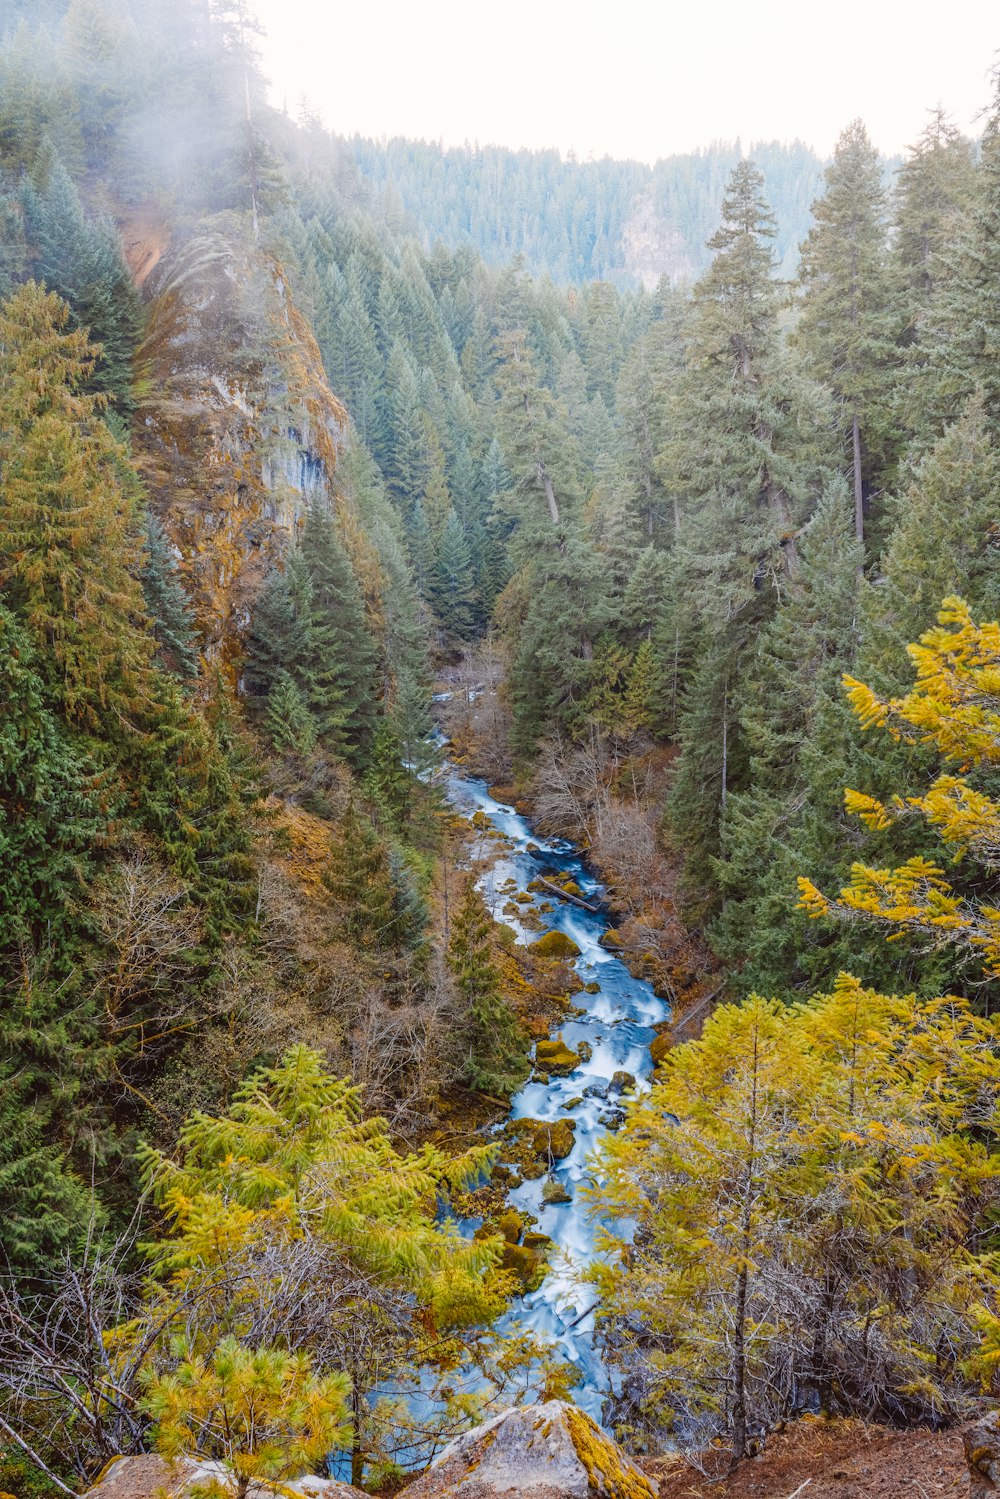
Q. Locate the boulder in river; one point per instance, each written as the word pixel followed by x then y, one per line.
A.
pixel 553 1142
pixel 555 945
pixel 622 1082
pixel 550 1451
pixel 555 1057
pixel 659 1047
pixel 555 1192
pixel 596 1090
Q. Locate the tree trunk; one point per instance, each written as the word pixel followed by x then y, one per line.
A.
pixel 357 1452
pixel 739 1449
pixel 859 498
pixel 550 493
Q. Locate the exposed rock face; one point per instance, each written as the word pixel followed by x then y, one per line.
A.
pixel 150 1477
pixel 652 248
pixel 551 1451
pixel 982 1453
pixel 237 431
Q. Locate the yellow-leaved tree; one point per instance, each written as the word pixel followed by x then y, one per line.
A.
pixel 306 1252
pixel 954 709
pixel 810 1191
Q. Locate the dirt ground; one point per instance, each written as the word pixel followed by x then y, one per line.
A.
pixel 842 1460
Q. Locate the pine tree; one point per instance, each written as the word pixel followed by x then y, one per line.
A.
pixel 494 1046
pixel 341 693
pixel 849 325
pixel 746 449
pixel 168 605
pixel 792 721
pixel 69 552
pixel 452 592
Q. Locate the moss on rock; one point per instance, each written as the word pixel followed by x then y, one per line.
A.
pixel 555 945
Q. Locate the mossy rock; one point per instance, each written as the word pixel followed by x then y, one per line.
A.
pixel 555 1140
pixel 527 1264
pixel 659 1046
pixel 592 988
pixel 511 910
pixel 536 887
pixel 611 938
pixel 554 1193
pixel 546 907
pixel 572 1103
pixel 555 945
pixel 539 1242
pixel 585 1051
pixel 511 1225
pixel 571 887
pixel 532 848
pixel 622 1082
pixel 532 1170
pixel 480 820
pixel 523 898
pixel 556 1058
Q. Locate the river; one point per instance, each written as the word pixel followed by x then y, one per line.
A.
pixel 618 1027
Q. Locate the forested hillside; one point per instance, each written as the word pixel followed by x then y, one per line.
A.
pixel 298 433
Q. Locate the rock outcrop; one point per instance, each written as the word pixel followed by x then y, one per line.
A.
pixel 551 1451
pixel 982 1453
pixel 151 1477
pixel 237 431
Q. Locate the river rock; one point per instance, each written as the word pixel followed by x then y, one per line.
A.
pixel 613 1119
pixel 550 1451
pixel 527 1264
pixel 585 1051
pixel 554 1193
pixel 622 1082
pixel 596 1090
pixel 555 945
pixel 982 1453
pixel 553 1142
pixel 571 1104
pixel 659 1047
pixel 555 1057
pixel 151 1477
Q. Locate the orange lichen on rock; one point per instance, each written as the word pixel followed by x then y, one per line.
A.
pixel 237 430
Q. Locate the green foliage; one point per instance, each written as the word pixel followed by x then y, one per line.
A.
pixel 809 1188
pixel 493 1044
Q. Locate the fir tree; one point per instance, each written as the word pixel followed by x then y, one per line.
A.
pixel 168 605
pixel 849 323
pixel 494 1046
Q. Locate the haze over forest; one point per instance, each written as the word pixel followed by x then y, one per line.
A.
pixel 499 738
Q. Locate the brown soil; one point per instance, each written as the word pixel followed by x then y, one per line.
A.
pixel 830 1460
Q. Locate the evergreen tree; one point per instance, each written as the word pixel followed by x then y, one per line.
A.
pixel 494 1046
pixel 452 592
pixel 341 692
pixel 849 323
pixel 168 606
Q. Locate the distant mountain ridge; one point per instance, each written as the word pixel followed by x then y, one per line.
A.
pixel 620 221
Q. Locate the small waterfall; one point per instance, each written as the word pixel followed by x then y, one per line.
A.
pixel 618 1027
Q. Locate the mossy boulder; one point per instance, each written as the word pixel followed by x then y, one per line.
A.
pixel 555 945
pixel 659 1047
pixel 585 1051
pixel 480 820
pixel 622 1082
pixel 571 1104
pixel 571 887
pixel 592 988
pixel 554 1141
pixel 527 1264
pixel 555 1058
pixel 510 1225
pixel 548 1451
pixel 611 939
pixel 539 1242
pixel 555 1192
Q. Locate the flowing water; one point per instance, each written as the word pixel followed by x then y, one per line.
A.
pixel 618 1026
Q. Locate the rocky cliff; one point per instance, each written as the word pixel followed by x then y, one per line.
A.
pixel 237 430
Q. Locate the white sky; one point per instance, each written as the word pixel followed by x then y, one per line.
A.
pixel 631 78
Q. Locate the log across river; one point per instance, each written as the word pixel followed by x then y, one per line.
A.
pixel 618 1027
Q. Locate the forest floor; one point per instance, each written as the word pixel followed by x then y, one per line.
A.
pixel 831 1460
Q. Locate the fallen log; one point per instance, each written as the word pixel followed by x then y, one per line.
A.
pixel 577 900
